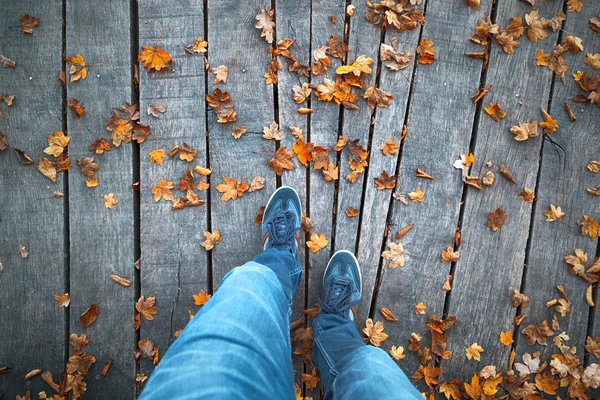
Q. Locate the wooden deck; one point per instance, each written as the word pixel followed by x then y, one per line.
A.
pixel 75 243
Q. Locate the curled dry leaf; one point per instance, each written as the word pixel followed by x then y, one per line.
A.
pixel 422 174
pixel 62 300
pixel 549 126
pixel 311 380
pixel 537 333
pixel 57 143
pixel 110 201
pixel 7 62
pixel 395 254
pixel 121 280
pixel 211 239
pixel 525 130
pixel 389 148
pixel 32 373
pixel 507 174
pixel 220 74
pixel 488 178
pixel 495 111
pixel 256 184
pixel 317 242
pixel 519 299
pixel 77 69
pixel 377 97
pixel 28 22
pixel 89 316
pixel 420 308
pixel 481 92
pixel 296 132
pixel 385 182
pixel 331 173
pixel 222 106
pixel 388 315
pixel 527 195
pixel 23 251
pixel 393 59
pixel 155 111
pixel 426 51
pixel 303 151
pixel 351 212
pixel 198 46
pixel 47 168
pixel 99 146
pixel 449 255
pixel 264 22
pixel 238 132
pixel 3 142
pixel 554 213
pixel 77 108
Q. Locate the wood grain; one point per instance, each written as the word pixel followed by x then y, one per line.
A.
pixel 32 326
pixel 440 118
pixel 483 301
pixel 102 240
pixel 174 265
pixel 247 57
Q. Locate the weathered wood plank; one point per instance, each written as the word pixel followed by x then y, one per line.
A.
pixel 102 240
pixel 364 39
pixel 388 125
pixel 323 132
pixel 174 265
pixel 32 325
pixel 562 182
pixel 443 90
pixel 483 301
pixel 293 22
pixel 247 58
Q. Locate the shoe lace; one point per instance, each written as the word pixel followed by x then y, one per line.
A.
pixel 282 230
pixel 337 300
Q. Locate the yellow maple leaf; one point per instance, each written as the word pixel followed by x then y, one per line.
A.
pixel 474 351
pixel 201 298
pixel 317 242
pixel 156 156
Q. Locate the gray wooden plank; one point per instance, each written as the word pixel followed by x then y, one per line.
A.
pixel 246 158
pixel 323 132
pixel 364 39
pixel 491 264
pixel 173 264
pixel 293 22
pixel 562 182
pixel 102 240
pixel 432 144
pixel 30 215
pixel 388 125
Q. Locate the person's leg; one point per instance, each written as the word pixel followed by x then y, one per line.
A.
pixel 349 368
pixel 238 345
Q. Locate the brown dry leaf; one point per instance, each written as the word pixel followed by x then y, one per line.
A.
pixel 47 168
pixel 7 62
pixel 3 142
pixel 395 254
pixel 538 333
pixel 388 315
pixel 301 93
pixel 351 212
pixel 146 307
pixel 527 195
pixel 110 201
pixel 577 262
pixel 452 389
pixel 519 299
pixel 57 143
pixel 495 111
pixel 317 242
pixel 377 97
pixel 592 346
pixel 589 227
pixel 593 60
pixel 488 178
pixel 506 338
pixel 156 156
pixel 89 316
pixel 507 41
pixel 447 286
pixel 359 66
pixel 397 353
pixel 303 151
pixel 385 182
pixel 496 219
pixel 595 24
pixel 32 373
pixel 546 383
pixel 77 108
pixel 201 298
pixel 422 174
pixel 310 380
pixel 525 130
pixel 417 196
pixel 232 189
pixel 549 126
pixel 449 255
pixel 282 160
pixel 62 300
pixel 426 51
pixel 198 46
pixel 474 351
pixel 393 59
pixel 154 58
pixel 507 174
pixel 163 190
pixel 155 111
pixel 220 73
pixel 331 173
pixel 554 213
pixel 264 22
pixel 536 26
pixel 480 93
pixel 573 44
pixel 256 184
pixel 374 332
pixel 121 280
pixel 77 69
pixel 594 166
pixel 420 308
pixel 296 132
pixel 99 146
pixel 306 224
pixel 320 156
pixel 222 106
pixel 28 22
pixel 437 329
pixel 23 251
pixel 238 132
pixel 574 5
pixel 389 148
pixel 273 132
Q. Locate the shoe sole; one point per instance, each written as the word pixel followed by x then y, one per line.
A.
pixel 355 260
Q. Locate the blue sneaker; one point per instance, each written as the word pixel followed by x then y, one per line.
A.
pixel 281 221
pixel 342 285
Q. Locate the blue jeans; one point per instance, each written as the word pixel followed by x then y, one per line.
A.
pixel 238 345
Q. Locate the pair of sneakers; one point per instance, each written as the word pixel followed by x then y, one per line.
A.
pixel 342 281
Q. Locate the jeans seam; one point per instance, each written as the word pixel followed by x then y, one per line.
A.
pixel 326 357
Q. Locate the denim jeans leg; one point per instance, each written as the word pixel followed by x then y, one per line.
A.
pixel 238 345
pixel 352 370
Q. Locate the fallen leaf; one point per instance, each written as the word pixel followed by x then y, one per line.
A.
pixel 593 60
pixel 310 380
pixel 57 143
pixel 89 316
pixel 389 148
pixel 395 254
pixel 549 126
pixel 77 69
pixel 351 212
pixel 154 58
pixel 474 352
pixel 449 255
pixel 397 353
pixel 301 93
pixel 417 196
pixel 256 184
pixel 527 195
pixel 77 108
pixel 303 151
pixel 156 156
pixel 273 132
pixel 220 73
pixel 7 62
pixel 201 298
pixel 281 160
pixel 554 213
pixel 489 178
pixel 495 111
pixel 420 308
pixel 99 146
pixel 506 338
pixel 198 46
pixel 222 106
pixel 331 173
pixel 163 190
pixel 155 111
pixel 264 22
pixel 232 189
pixel 146 307
pixel 377 97
pixel 374 332
pixel 28 22
pixel 496 219
pixel 480 93
pixel 47 168
pixel 537 333
pixel 317 242
pixel 388 315
pixel 525 130
pixel 110 201
pixel 360 65
pixel 62 300
pixel 426 52
pixel 422 174
pixel 238 132
pixel 121 280
pixel 507 174
pixel 385 182
pixel 393 59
